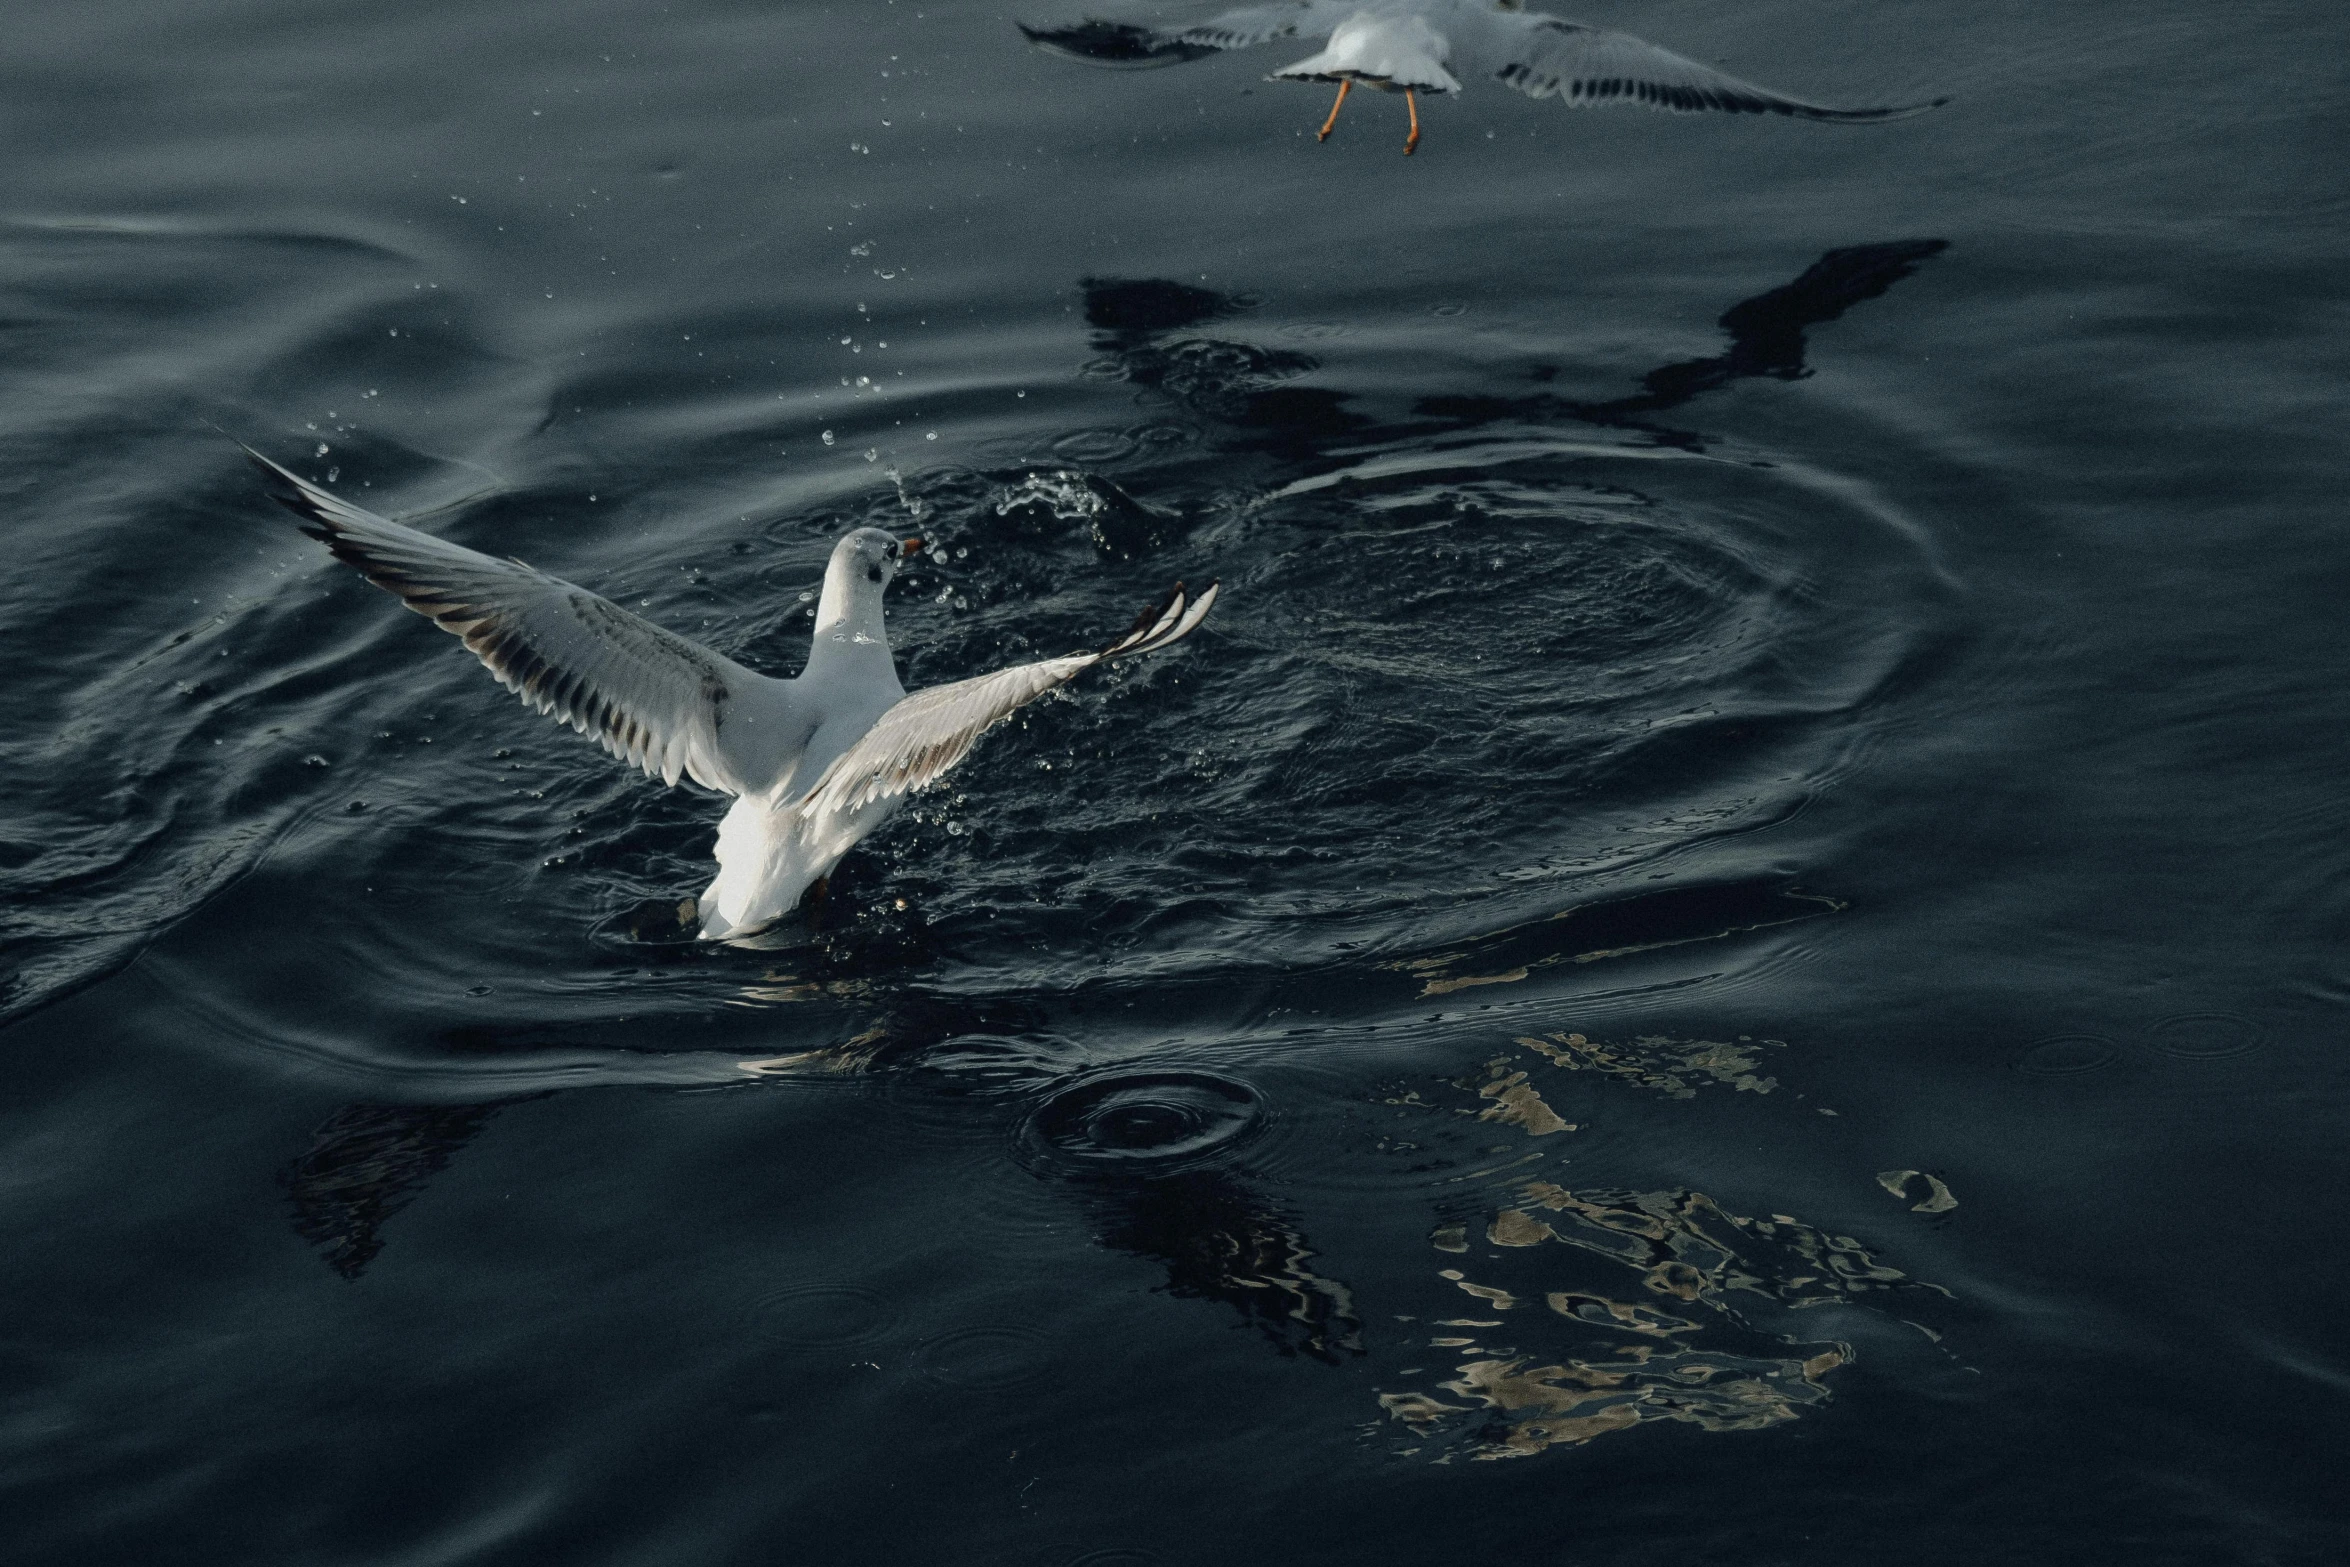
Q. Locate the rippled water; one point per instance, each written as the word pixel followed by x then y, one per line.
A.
pixel 1728 947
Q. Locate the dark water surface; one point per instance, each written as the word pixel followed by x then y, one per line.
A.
pixel 1730 948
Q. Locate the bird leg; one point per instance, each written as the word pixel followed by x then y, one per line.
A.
pixel 1410 101
pixel 812 903
pixel 1331 123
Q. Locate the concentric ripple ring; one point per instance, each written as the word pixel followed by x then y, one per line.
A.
pixel 1142 1122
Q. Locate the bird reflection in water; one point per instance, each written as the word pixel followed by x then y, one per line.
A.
pixel 1220 1241
pixel 365 1163
pixel 1237 384
pixel 1767 339
pixel 1244 386
pixel 1151 1152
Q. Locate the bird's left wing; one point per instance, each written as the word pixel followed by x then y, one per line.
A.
pixel 926 734
pixel 1126 46
pixel 647 695
pixel 1545 57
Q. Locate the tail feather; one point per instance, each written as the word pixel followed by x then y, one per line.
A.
pixel 764 866
pixel 770 853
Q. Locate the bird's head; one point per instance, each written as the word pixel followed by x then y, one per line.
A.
pixel 862 564
pixel 870 557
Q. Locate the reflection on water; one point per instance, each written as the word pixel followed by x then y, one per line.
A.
pixel 1220 1241
pixel 1937 1196
pixel 1237 384
pixel 1149 1152
pixel 1567 1312
pixel 1247 387
pixel 1565 1277
pixel 1766 339
pixel 365 1163
pixel 1517 1102
pixel 1674 1067
pixel 1666 917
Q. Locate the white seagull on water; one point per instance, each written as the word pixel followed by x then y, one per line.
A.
pixel 814 763
pixel 1417 46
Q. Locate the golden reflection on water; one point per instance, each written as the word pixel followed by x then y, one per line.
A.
pixel 1517 1102
pixel 1644 1296
pixel 1585 1311
pixel 1690 1258
pixel 1937 1199
pixel 1674 1067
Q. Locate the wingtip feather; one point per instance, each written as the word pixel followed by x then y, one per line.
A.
pixel 1165 623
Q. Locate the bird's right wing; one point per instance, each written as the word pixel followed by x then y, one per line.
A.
pixel 647 695
pixel 926 734
pixel 1126 46
pixel 1546 57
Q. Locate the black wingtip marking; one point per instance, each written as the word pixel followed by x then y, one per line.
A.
pixel 1685 99
pixel 282 487
pixel 1118 45
pixel 1152 614
pixel 1165 623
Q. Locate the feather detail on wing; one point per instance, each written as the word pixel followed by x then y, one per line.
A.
pixel 1251 25
pixel 649 696
pixel 1545 57
pixel 1124 45
pixel 926 734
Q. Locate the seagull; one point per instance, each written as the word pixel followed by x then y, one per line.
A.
pixel 814 763
pixel 1417 46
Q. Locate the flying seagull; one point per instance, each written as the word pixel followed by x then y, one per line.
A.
pixel 814 763
pixel 1417 46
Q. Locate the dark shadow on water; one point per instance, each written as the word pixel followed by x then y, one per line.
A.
pixel 1133 310
pixel 1766 332
pixel 1244 386
pixel 1220 1241
pixel 1148 1149
pixel 365 1163
pixel 1766 340
pixel 1236 384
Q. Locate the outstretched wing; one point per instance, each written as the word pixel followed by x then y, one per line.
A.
pixel 925 734
pixel 1545 57
pixel 1125 46
pixel 649 696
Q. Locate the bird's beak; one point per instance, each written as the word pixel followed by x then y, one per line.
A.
pixel 910 547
